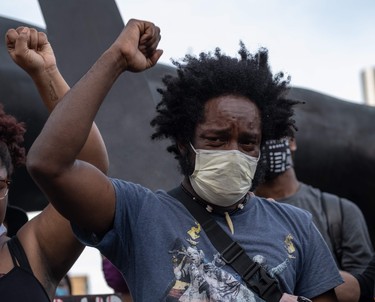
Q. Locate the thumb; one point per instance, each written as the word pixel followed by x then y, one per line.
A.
pixel 155 57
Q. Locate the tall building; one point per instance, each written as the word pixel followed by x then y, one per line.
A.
pixel 368 85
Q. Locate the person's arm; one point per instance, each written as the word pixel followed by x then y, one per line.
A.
pixel 79 191
pixel 366 282
pixel 356 250
pixel 33 53
pixel 349 291
pixel 47 239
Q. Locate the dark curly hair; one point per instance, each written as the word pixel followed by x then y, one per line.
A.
pixel 12 153
pixel 212 75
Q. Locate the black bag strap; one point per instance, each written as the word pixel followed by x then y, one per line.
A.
pixel 18 254
pixel 332 207
pixel 254 275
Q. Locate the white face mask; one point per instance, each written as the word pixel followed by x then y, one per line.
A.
pixel 222 177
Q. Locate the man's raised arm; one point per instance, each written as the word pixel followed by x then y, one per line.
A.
pixel 80 191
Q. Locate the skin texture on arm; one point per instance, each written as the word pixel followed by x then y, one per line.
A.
pixel 47 239
pixel 81 192
pixel 329 296
pixel 348 291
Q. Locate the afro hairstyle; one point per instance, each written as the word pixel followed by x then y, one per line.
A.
pixel 211 75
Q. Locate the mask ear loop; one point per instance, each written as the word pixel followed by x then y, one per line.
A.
pixel 192 147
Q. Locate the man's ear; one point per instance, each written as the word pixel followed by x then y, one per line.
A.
pixel 292 144
pixel 182 148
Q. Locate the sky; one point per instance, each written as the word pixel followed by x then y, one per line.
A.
pixel 323 45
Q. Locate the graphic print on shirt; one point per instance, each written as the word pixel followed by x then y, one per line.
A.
pixel 201 279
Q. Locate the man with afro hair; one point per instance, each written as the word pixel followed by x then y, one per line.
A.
pixel 217 112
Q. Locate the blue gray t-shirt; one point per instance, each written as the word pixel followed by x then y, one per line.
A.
pixel 165 255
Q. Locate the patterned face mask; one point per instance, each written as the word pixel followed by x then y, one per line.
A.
pixel 222 177
pixel 277 157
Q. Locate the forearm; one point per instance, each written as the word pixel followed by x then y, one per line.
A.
pixel 69 125
pixel 52 87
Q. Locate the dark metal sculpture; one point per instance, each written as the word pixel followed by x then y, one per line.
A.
pixel 336 139
pixel 336 148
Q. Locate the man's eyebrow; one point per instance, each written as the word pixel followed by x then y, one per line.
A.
pixel 249 135
pixel 215 131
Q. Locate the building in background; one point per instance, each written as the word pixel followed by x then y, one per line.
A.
pixel 368 85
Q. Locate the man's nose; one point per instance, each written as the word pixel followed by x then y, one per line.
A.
pixel 233 145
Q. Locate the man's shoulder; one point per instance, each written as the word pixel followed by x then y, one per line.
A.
pixel 303 187
pixel 281 207
pixel 328 196
pixel 344 203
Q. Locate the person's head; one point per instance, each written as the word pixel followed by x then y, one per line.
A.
pixel 277 157
pixel 195 256
pixel 12 154
pixel 218 102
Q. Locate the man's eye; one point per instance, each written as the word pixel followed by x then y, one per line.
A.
pixel 214 139
pixel 247 143
pixel 249 146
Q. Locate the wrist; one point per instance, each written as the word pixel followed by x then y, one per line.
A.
pixel 42 75
pixel 115 60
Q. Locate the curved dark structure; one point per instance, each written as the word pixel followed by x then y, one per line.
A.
pixel 336 148
pixel 336 139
